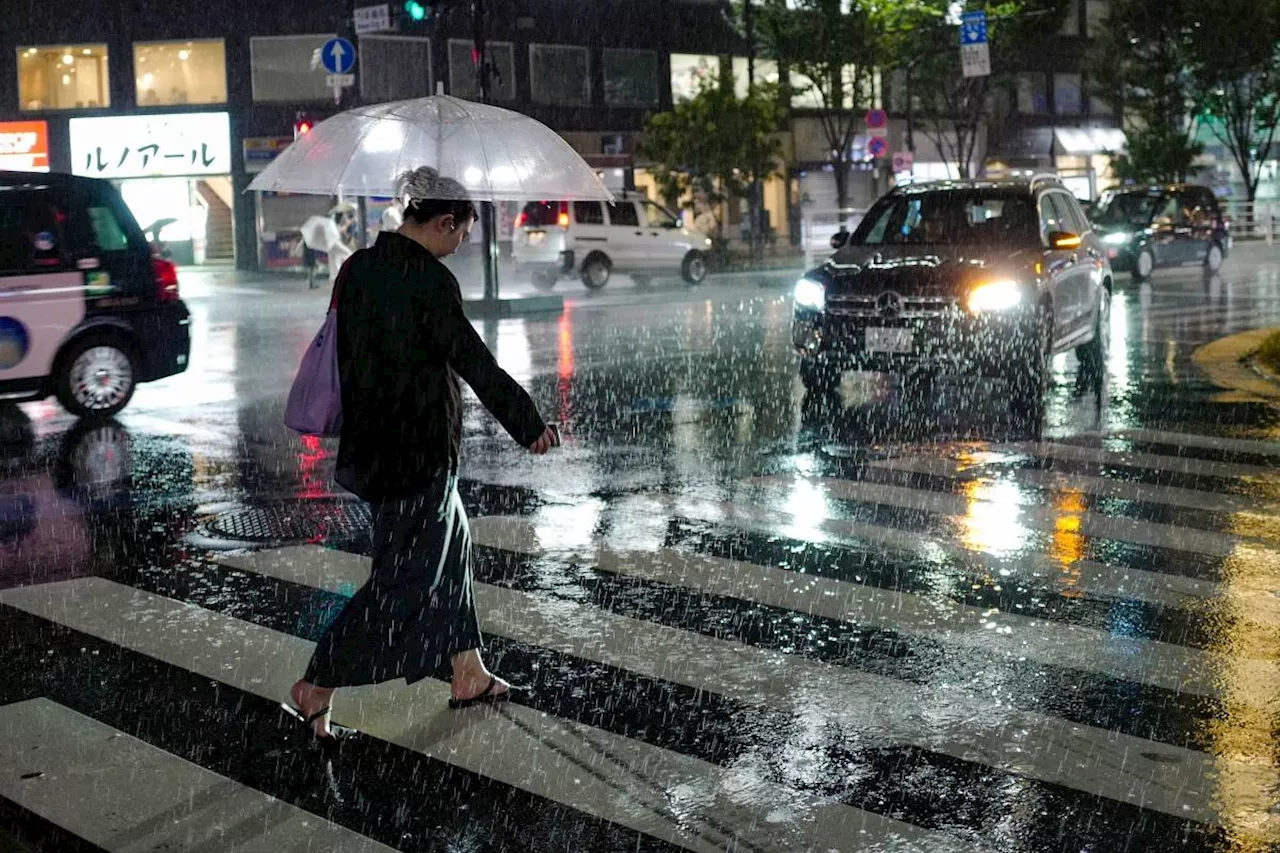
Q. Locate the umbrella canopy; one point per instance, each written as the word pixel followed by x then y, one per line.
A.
pixel 497 154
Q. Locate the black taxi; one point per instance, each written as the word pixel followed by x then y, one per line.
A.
pixel 86 311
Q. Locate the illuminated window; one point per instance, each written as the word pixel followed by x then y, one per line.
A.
pixel 688 73
pixel 63 77
pixel 766 72
pixel 169 73
pixel 288 68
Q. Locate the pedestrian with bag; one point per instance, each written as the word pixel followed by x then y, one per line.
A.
pixel 403 343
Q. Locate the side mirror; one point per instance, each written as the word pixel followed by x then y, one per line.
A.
pixel 839 239
pixel 1064 240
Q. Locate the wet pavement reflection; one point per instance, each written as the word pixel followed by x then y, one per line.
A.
pixel 895 617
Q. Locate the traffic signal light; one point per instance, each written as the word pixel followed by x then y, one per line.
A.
pixel 415 10
pixel 302 125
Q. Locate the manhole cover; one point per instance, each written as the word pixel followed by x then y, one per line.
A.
pixel 298 522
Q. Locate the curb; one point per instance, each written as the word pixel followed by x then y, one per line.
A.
pixel 1226 363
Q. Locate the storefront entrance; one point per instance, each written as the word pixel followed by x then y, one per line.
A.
pixel 174 174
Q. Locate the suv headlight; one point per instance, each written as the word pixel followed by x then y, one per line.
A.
pixel 810 294
pixel 995 296
pixel 1117 238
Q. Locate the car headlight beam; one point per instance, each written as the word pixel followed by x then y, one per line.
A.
pixel 995 296
pixel 1117 238
pixel 810 294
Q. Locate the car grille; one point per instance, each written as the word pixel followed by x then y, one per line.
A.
pixel 891 306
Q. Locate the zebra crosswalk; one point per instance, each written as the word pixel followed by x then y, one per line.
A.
pixel 1019 647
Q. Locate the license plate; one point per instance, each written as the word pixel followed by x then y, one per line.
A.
pixel 890 340
pixel 535 238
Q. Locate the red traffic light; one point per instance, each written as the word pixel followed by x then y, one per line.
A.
pixel 302 125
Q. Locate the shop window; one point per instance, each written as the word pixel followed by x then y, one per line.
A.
pixel 180 72
pixel 63 77
pixel 1067 99
pixel 766 72
pixel 463 82
pixel 808 96
pixel 1033 98
pixel 559 74
pixel 288 68
pixel 394 68
pixel 689 72
pixel 630 78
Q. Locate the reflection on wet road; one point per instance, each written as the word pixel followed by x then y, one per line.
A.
pixel 895 619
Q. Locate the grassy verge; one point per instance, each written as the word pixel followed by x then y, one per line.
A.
pixel 1268 354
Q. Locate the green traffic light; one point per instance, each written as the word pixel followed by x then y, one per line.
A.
pixel 415 9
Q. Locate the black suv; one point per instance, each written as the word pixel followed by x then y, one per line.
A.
pixel 988 277
pixel 1145 227
pixel 86 312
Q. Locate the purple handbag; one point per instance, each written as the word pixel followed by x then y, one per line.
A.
pixel 315 400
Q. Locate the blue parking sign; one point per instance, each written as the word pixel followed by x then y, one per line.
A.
pixel 338 56
pixel 973 28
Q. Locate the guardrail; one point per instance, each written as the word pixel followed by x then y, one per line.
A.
pixel 1253 220
pixel 818 226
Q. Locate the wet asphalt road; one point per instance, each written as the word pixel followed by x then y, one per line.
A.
pixel 750 621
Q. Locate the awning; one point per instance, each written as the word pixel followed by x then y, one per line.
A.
pixel 1088 140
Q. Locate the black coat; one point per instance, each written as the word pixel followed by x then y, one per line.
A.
pixel 403 342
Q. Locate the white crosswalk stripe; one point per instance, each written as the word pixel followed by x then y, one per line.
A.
pixel 630 782
pixel 127 796
pixel 1128 769
pixel 693 803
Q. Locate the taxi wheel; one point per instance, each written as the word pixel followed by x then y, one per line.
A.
pixel 544 279
pixel 96 376
pixel 1213 258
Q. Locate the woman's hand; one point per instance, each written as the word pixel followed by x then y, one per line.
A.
pixel 545 442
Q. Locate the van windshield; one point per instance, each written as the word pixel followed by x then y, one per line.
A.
pixel 542 214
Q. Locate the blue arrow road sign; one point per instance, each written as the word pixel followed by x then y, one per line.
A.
pixel 973 28
pixel 338 56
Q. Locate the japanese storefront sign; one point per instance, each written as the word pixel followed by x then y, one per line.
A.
pixel 147 146
pixel 24 146
pixel 259 151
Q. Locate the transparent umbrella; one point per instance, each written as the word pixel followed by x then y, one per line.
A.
pixel 497 154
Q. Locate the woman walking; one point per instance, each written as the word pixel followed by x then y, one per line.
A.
pixel 403 343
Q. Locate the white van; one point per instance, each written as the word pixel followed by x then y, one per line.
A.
pixel 595 239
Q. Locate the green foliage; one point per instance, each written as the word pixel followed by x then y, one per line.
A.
pixel 835 46
pixel 1142 64
pixel 715 143
pixel 920 42
pixel 1235 80
pixel 1269 352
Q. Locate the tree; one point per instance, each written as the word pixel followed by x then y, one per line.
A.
pixel 922 40
pixel 1236 80
pixel 715 144
pixel 833 46
pixel 1142 64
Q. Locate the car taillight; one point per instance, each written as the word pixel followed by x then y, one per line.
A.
pixel 563 218
pixel 521 219
pixel 166 274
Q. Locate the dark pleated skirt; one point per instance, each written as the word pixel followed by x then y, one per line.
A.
pixel 418 608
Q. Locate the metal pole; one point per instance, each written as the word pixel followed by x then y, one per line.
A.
pixel 753 206
pixel 488 221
